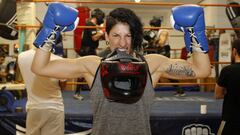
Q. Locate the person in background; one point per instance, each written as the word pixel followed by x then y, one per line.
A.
pixel 228 89
pixel 90 42
pixel 149 36
pixel 161 44
pixel 44 107
pixel 122 85
pixel 91 36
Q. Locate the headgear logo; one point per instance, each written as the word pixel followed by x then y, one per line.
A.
pixel 129 67
pixel 196 129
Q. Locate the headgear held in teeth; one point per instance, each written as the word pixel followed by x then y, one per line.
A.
pixel 123 77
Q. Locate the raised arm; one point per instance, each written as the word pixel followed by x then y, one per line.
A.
pixel 190 20
pixel 59 18
pixel 161 66
pixel 64 68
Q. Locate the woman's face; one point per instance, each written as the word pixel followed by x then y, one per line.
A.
pixel 120 37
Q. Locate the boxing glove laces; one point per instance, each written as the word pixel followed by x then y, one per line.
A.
pixel 190 20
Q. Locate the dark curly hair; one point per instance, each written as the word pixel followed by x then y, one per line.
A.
pixel 124 15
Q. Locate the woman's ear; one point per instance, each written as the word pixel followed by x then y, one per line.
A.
pixel 106 36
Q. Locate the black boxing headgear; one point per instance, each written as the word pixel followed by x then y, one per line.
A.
pixel 99 15
pixel 123 77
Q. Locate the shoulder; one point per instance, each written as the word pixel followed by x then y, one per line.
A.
pixel 228 69
pixel 90 61
pixel 154 57
pixel 90 58
pixel 54 57
pixel 89 65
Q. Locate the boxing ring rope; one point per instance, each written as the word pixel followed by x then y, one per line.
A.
pixel 92 27
pixel 128 3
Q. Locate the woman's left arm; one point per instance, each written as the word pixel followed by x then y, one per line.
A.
pixel 179 68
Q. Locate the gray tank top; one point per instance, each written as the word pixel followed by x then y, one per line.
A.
pixel 112 118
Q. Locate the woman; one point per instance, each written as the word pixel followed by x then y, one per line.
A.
pixel 123 32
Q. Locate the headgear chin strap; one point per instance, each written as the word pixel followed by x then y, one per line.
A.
pixel 123 77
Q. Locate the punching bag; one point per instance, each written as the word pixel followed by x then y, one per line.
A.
pixel 83 14
pixel 233 14
pixel 8 19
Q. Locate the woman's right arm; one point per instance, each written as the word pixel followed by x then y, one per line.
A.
pixel 64 68
pixel 58 18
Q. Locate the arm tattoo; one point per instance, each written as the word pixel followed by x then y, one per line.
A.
pixel 179 70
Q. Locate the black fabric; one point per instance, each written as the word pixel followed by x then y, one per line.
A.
pixel 229 79
pixel 231 128
pixel 89 46
pixel 165 50
pixel 8 32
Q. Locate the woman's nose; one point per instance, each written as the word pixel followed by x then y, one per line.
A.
pixel 123 42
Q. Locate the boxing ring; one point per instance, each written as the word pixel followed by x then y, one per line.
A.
pixel 170 115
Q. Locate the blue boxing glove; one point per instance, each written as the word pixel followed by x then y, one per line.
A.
pixel 190 20
pixel 58 18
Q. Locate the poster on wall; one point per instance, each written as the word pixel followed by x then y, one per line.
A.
pixel 225 47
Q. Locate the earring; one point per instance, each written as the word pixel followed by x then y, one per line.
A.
pixel 107 42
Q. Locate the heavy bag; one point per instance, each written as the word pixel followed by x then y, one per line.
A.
pixel 233 14
pixel 8 19
pixel 83 14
